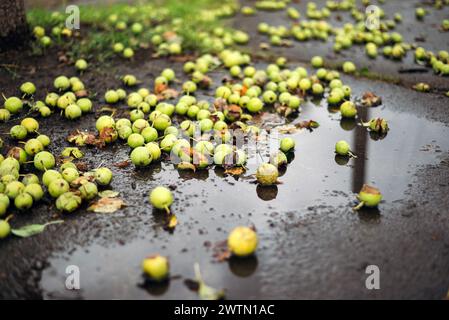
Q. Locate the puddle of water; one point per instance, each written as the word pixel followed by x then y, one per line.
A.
pixel 209 205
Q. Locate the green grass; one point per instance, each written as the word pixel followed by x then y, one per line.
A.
pixel 189 19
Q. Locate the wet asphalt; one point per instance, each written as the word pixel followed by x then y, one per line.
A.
pixel 312 244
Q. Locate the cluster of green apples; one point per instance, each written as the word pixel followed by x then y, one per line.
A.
pixel 58 32
pixel 144 24
pixel 68 186
pixel 22 189
pixel 69 98
pixel 382 38
pixel 150 128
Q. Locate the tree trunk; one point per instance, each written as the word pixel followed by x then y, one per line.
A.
pixel 13 25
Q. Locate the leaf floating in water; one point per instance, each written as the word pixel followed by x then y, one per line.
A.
pixel 369 99
pixel 293 128
pixel 235 171
pixel 33 229
pixel 288 128
pixel 108 194
pixel 310 125
pixel 107 205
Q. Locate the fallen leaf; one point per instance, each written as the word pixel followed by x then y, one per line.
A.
pixel 172 222
pixel 369 99
pixel 221 251
pixel 33 229
pixel 122 164
pixel 108 194
pixel 82 138
pixel 72 152
pixel 108 135
pixel 167 94
pixel 82 166
pixel 235 171
pixel 223 256
pixel 107 205
pixel 288 128
pixel 310 125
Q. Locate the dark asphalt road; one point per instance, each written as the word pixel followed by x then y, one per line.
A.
pixel 312 245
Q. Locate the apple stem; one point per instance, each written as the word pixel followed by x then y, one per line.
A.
pixel 360 205
pixel 352 154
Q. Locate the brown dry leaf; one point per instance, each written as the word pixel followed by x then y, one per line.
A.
pixel 221 252
pixel 81 138
pixel 235 171
pixel 168 94
pixel 82 166
pixel 310 125
pixel 107 205
pixel 223 256
pixel 107 135
pixel 369 99
pixel 288 128
pixel 81 180
pixel 122 164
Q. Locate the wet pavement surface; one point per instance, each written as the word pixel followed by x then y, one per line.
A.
pixel 423 33
pixel 312 244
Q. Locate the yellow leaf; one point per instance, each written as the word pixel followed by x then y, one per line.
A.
pixel 108 194
pixel 172 222
pixel 107 205
pixel 235 171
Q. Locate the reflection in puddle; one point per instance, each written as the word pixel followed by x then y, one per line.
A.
pixel 209 203
pixel 243 267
